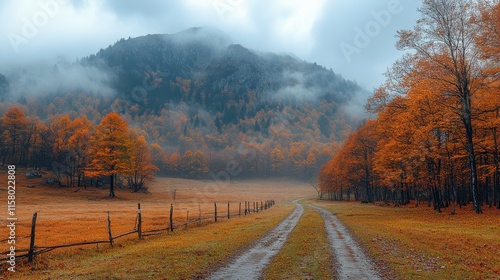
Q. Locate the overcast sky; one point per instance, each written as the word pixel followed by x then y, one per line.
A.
pixel 353 37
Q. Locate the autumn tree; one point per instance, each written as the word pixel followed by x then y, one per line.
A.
pixel 333 176
pixel 488 41
pixel 444 38
pixel 71 147
pixel 276 160
pixel 353 166
pixel 40 147
pixel 79 145
pixel 61 132
pixel 158 156
pixel 142 169
pixel 111 149
pixel 174 163
pixel 199 164
pixel 297 154
pixel 14 126
pixel 435 134
pixel 187 163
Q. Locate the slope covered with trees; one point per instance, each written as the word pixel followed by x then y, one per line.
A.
pixel 435 135
pixel 205 108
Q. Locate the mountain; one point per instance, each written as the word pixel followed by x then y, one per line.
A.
pixel 197 91
pixel 216 72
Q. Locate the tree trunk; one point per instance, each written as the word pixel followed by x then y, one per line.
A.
pixel 472 161
pixel 111 185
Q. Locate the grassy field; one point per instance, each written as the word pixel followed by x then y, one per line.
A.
pixel 69 215
pixel 306 254
pixel 179 255
pixel 412 243
pixel 418 243
pixel 62 212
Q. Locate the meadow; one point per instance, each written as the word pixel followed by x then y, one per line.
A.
pixel 67 215
pixel 405 242
pixel 419 243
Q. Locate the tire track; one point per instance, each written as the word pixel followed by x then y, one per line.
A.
pixel 251 263
pixel 351 261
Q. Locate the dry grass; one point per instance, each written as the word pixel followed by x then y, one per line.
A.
pixel 179 255
pixel 69 215
pixel 306 254
pixel 418 243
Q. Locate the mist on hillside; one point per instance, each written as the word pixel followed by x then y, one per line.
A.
pixel 194 92
pixel 59 78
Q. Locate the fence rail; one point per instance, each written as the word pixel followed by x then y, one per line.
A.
pixel 33 250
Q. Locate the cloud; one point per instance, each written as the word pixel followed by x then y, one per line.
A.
pixel 139 9
pixel 295 88
pixel 62 77
pixel 312 30
pixel 207 35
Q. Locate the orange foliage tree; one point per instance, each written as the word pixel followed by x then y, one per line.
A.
pixel 111 149
pixel 435 135
pixel 142 169
pixel 14 126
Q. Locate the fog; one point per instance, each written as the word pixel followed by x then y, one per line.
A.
pixel 43 79
pixel 318 30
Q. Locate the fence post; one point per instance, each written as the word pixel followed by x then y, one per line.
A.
pixel 109 231
pixel 199 214
pixel 239 209
pixel 171 218
pixel 215 213
pixel 139 221
pixel 228 213
pixel 31 253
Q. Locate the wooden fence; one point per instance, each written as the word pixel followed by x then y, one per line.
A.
pixel 33 250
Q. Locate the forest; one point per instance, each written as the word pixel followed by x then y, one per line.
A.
pixel 434 135
pixel 199 104
pixel 82 153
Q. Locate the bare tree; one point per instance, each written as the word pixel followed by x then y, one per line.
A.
pixel 443 39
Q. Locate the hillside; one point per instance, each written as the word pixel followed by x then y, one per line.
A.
pixel 198 66
pixel 196 91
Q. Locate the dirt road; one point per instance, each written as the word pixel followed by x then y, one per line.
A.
pixel 250 264
pixel 352 263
